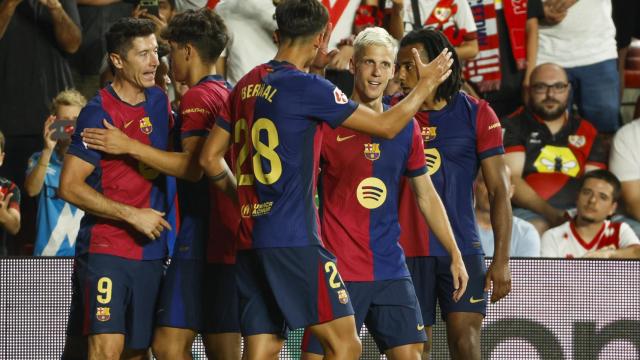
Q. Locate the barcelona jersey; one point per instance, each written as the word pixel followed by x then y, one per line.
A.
pixel 274 116
pixel 359 189
pixel 121 178
pixel 456 139
pixel 209 220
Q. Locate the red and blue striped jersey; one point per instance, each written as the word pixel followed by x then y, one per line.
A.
pixel 359 190
pixel 122 178
pixel 456 139
pixel 209 220
pixel 274 116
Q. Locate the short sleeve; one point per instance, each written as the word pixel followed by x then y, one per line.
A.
pixel 488 132
pixel 535 9
pixel 548 246
pixel 627 236
pixel 71 8
pixel 416 163
pixel 33 162
pixel 513 140
pixel 90 117
pixel 326 102
pixel 598 154
pixel 528 242
pixel 625 161
pixel 464 19
pixel 223 118
pixel 195 115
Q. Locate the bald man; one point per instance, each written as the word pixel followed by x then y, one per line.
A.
pixel 548 150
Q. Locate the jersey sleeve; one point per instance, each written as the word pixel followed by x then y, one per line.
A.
pixel 598 154
pixel 326 102
pixel 416 163
pixel 488 132
pixel 535 9
pixel 513 141
pixel 223 118
pixel 194 114
pixel 528 244
pixel 90 117
pixel 624 161
pixel 627 236
pixel 465 21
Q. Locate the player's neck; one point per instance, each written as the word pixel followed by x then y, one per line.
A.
pixel 298 55
pixel 484 218
pixel 128 92
pixel 199 71
pixel 587 230
pixel 434 105
pixel 375 104
pixel 556 125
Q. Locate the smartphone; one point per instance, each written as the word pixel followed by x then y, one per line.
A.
pixel 151 6
pixel 62 129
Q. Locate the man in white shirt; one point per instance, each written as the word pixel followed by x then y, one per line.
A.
pixel 624 162
pixel 590 233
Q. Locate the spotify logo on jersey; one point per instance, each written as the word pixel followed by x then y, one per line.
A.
pixel 371 193
pixel 432 156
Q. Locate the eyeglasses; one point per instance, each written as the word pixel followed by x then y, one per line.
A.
pixel 542 88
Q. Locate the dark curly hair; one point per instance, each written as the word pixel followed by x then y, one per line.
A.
pixel 203 29
pixel 300 18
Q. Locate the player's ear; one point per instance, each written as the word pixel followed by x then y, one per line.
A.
pixel 116 60
pixel 352 66
pixel 614 206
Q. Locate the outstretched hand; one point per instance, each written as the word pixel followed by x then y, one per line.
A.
pixel 109 140
pixel 324 56
pixel 436 72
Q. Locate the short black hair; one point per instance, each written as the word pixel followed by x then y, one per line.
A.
pixel 300 18
pixel 203 29
pixel 606 176
pixel 434 42
pixel 121 34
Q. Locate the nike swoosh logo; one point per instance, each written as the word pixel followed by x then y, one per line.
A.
pixel 126 125
pixel 341 139
pixel 420 327
pixel 474 301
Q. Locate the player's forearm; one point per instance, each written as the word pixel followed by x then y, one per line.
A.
pixel 501 219
pixel 35 179
pixel 7 8
pixel 67 33
pixel 396 22
pixel 91 201
pixel 222 177
pixel 630 252
pixel 183 165
pixel 10 221
pixel 525 197
pixel 467 50
pixel 532 47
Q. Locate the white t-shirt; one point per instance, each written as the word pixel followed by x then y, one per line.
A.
pixel 624 161
pixel 565 242
pixel 457 14
pixel 586 36
pixel 250 25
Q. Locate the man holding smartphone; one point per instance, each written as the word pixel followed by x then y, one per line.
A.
pixel 57 220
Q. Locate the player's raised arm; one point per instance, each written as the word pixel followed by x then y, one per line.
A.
pixel 75 190
pixel 390 123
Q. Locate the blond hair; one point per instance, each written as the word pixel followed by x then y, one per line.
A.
pixel 374 36
pixel 69 97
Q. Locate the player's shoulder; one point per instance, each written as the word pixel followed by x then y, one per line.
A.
pixel 558 231
pixel 93 111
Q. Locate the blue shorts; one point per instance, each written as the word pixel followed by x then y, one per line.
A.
pixel 289 288
pixel 390 310
pixel 199 296
pixel 114 295
pixel 434 284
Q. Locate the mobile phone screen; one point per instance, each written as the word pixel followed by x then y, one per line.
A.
pixel 62 129
pixel 150 5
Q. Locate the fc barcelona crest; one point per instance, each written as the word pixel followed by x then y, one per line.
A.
pixel 343 297
pixel 372 151
pixel 103 313
pixel 428 133
pixel 145 125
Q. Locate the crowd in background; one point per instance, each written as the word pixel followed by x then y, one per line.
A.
pixel 560 120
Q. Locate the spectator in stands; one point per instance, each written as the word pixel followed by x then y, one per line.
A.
pixel 507 68
pixel 525 240
pixel 251 25
pixel 625 16
pixel 548 149
pixel 36 36
pixel 57 221
pixel 580 37
pixel 590 233
pixel 166 9
pixel 625 164
pixel 9 205
pixel 452 17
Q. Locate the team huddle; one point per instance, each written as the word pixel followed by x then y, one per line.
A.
pixel 253 255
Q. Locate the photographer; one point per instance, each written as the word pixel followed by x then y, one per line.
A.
pixel 57 220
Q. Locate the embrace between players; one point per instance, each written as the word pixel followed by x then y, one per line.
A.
pixel 253 255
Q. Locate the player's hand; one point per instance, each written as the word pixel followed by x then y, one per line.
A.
pixel 341 60
pixel 602 253
pixel 500 275
pixel 324 56
pixel 460 277
pixel 49 143
pixel 159 21
pixel 553 15
pixel 109 140
pixel 557 217
pixel 13 3
pixel 434 73
pixel 5 200
pixel 149 221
